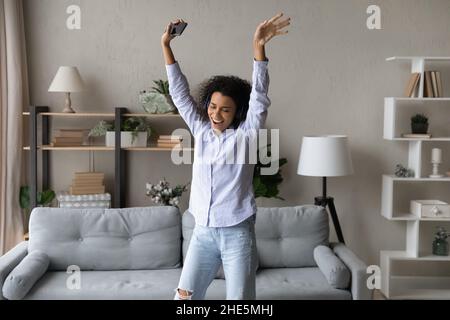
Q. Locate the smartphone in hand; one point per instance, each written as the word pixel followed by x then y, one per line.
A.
pixel 177 29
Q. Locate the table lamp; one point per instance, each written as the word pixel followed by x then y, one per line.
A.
pixel 67 80
pixel 326 156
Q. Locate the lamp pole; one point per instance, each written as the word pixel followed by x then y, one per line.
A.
pixel 325 201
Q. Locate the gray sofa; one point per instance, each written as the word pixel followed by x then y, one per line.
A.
pixel 137 253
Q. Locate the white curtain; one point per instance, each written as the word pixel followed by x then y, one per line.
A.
pixel 14 100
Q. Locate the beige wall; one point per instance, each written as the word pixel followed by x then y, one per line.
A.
pixel 329 75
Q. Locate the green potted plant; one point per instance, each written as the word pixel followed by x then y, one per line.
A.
pixel 419 124
pixel 43 199
pixel 440 243
pixel 135 132
pixel 266 186
pixel 158 99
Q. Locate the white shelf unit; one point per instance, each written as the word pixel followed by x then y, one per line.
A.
pixel 414 273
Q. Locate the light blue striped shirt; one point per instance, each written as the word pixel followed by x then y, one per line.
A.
pixel 222 193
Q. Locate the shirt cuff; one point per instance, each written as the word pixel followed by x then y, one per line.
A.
pixel 260 65
pixel 173 69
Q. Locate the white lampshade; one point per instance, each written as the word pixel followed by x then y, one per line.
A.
pixel 325 156
pixel 67 79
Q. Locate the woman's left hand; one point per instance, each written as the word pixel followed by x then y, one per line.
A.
pixel 269 29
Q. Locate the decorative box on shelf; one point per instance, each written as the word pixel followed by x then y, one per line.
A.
pixel 66 200
pixel 430 209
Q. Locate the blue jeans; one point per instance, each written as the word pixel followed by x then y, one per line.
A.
pixel 235 247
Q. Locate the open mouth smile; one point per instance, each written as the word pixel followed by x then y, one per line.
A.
pixel 217 122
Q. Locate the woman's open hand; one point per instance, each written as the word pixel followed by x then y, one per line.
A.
pixel 269 29
pixel 167 37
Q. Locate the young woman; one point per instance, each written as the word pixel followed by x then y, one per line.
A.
pixel 222 199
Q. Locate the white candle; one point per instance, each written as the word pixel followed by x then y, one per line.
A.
pixel 436 155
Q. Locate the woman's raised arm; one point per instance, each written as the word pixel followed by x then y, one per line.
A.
pixel 178 84
pixel 259 100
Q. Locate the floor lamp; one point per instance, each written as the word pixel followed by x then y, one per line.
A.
pixel 326 156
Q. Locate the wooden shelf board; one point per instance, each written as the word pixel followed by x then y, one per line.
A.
pixel 103 148
pixel 394 178
pixel 420 139
pixel 73 115
pixel 150 115
pixel 158 149
pixel 442 99
pixel 81 148
pixel 106 115
pixel 399 58
pixel 403 217
pixel 404 256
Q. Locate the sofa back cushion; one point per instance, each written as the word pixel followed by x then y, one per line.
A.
pixel 285 237
pixel 107 239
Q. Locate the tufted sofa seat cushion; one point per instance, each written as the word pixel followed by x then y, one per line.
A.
pixel 107 239
pixel 287 236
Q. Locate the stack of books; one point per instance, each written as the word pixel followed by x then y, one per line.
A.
pixel 432 86
pixel 169 141
pixel 69 138
pixel 86 183
pixel 100 201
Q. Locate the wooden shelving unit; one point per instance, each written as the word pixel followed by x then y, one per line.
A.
pixel 412 273
pixel 43 113
pixel 104 115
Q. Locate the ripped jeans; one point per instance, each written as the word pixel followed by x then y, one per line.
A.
pixel 235 247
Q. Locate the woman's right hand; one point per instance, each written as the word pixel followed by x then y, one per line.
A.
pixel 167 37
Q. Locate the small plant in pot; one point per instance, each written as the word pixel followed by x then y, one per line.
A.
pixel 135 132
pixel 419 124
pixel 43 199
pixel 440 243
pixel 158 99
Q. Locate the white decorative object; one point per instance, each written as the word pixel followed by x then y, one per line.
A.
pixel 66 196
pixel 436 160
pixel 430 209
pixel 127 141
pixel 67 80
pixel 66 200
pixel 325 156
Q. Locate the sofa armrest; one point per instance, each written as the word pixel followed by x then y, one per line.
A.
pixel 10 260
pixel 358 270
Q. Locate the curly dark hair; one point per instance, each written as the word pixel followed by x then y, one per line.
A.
pixel 231 86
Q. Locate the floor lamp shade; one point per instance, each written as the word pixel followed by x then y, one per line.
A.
pixel 67 79
pixel 325 156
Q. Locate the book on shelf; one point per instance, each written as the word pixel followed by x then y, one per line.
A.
pixel 67 141
pixel 439 84
pixel 89 175
pixel 168 145
pixel 432 85
pixel 170 137
pixel 87 190
pixel 87 182
pixel 413 84
pixel 172 142
pixel 417 136
pixel 71 133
